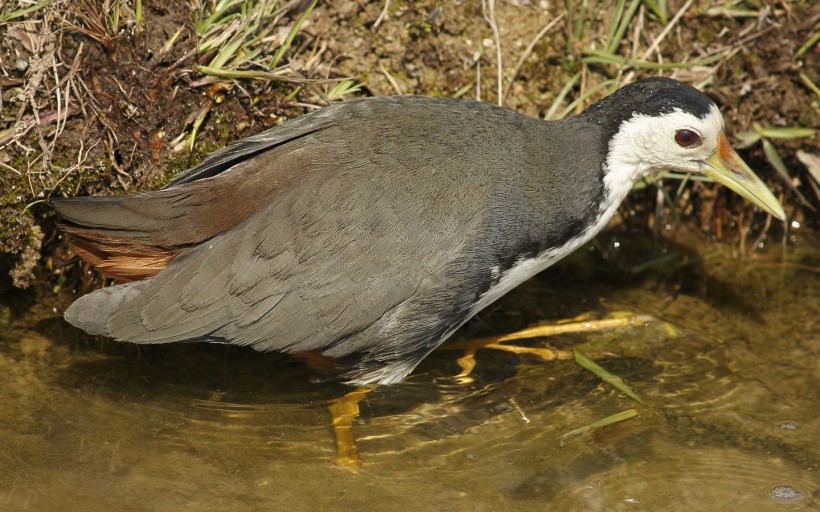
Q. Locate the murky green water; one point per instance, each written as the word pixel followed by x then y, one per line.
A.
pixel 729 371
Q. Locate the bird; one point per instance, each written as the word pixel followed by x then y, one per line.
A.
pixel 370 230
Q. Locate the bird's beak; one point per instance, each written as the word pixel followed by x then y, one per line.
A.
pixel 726 167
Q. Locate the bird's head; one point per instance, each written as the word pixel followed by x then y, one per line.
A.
pixel 660 123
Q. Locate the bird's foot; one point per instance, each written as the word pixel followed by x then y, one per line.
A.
pixel 467 362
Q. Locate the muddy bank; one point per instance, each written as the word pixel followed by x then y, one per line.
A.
pixel 101 97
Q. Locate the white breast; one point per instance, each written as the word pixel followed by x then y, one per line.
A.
pixel 617 183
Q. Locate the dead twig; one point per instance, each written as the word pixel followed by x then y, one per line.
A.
pixel 528 51
pixel 669 26
pixel 382 16
pixel 488 11
pixel 391 80
pixel 24 125
pixel 112 157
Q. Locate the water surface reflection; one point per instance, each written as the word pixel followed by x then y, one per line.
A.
pixel 729 371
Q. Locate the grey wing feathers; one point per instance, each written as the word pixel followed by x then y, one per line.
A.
pixel 245 294
pixel 350 250
pixel 182 213
pixel 147 218
pixel 91 312
pixel 259 143
pixel 265 285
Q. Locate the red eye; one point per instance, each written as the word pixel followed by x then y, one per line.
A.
pixel 687 138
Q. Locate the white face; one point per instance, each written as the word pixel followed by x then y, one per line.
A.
pixel 682 142
pixel 679 141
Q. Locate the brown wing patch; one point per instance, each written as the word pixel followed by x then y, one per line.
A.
pixel 317 361
pixel 120 258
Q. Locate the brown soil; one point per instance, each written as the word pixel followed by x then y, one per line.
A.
pixel 116 108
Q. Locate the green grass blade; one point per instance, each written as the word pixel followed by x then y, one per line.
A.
pixel 730 12
pixel 200 118
pixel 550 115
pixel 114 19
pixel 619 12
pixel 808 44
pixel 786 133
pixel 657 9
pixel 614 380
pixel 774 158
pixel 216 36
pixel 747 139
pixel 344 88
pixel 670 202
pixel 777 162
pixel 647 181
pixel 609 420
pixel 261 75
pixel 682 185
pixel 216 17
pixel 808 83
pixel 623 25
pixel 576 20
pixel 463 90
pixel 289 39
pixel 138 12
pixel 25 10
pixel 598 57
pixel 226 53
pixel 591 91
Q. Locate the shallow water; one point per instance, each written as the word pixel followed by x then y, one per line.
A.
pixel 728 368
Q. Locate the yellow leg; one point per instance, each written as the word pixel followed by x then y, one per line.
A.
pixel 470 347
pixel 344 410
pixel 467 363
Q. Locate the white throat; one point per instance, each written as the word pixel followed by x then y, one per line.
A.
pixel 618 181
pixel 638 148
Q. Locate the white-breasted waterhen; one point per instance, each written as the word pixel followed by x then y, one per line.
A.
pixel 370 230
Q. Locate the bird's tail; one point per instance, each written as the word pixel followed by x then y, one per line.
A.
pixel 108 235
pixel 92 312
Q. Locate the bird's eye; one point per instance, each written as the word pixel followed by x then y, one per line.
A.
pixel 687 138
